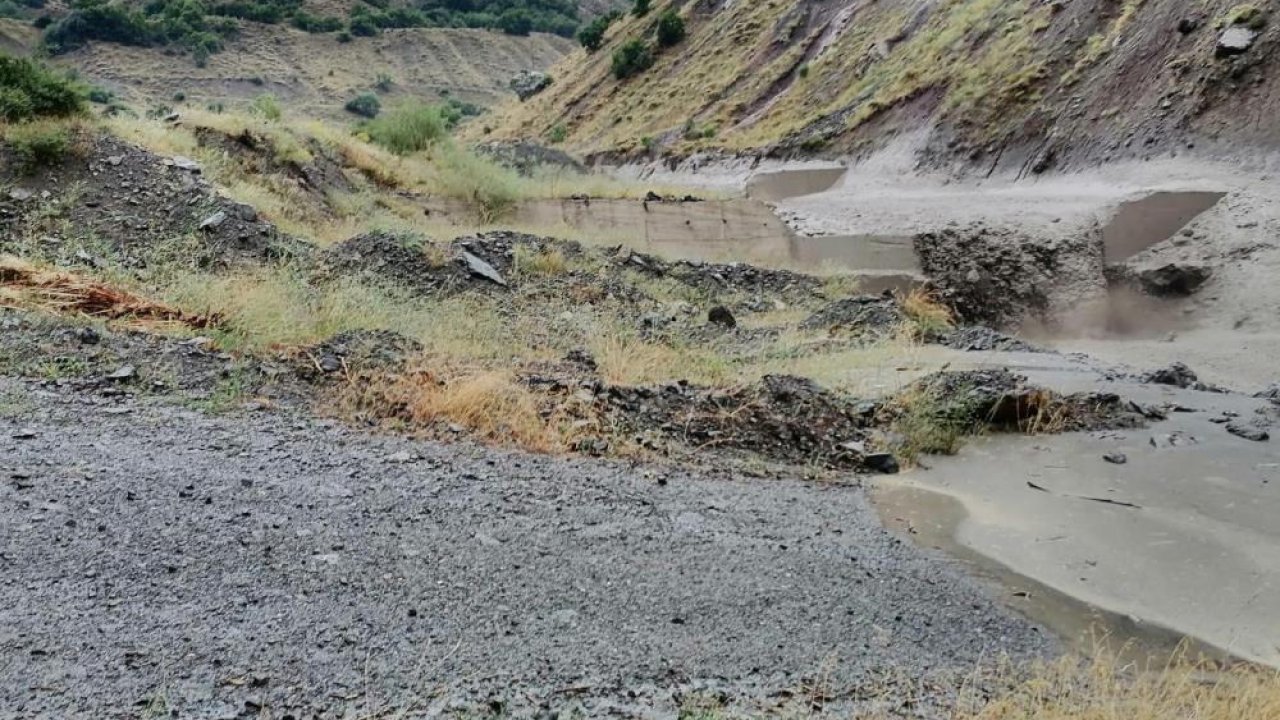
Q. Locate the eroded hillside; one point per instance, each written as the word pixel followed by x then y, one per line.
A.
pixel 1014 82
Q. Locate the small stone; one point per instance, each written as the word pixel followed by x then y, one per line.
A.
pixel 20 194
pixel 1116 458
pixel 403 456
pixel 482 269
pixel 124 372
pixel 1174 279
pixel 183 163
pixel 88 336
pixel 24 434
pixel 213 221
pixel 115 160
pixel 884 463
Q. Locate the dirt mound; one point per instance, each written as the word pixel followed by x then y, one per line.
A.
pixel 1002 277
pixel 875 315
pixel 356 352
pixel 111 198
pixel 713 278
pixel 979 338
pixel 400 259
pixel 312 179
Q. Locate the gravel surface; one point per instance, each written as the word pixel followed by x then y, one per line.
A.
pixel 265 565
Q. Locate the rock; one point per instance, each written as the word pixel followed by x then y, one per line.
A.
pixel 480 268
pixel 401 457
pixel 183 163
pixel 582 358
pixel 20 194
pixel 720 315
pixel 214 221
pixel 1272 393
pixel 652 196
pixel 1235 41
pixel 1249 432
pixel 23 434
pixel 1177 374
pixel 172 117
pixel 124 372
pixel 529 83
pixel 1188 25
pixel 1174 279
pixel 884 463
pixel 329 363
pixel 1116 458
pixel 88 336
pixel 115 160
pixel 245 212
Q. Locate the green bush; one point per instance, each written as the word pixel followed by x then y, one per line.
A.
pixel 492 188
pixel 364 105
pixel 516 21
pixel 591 36
pixel 640 8
pixel 307 22
pixel 557 134
pixel 101 96
pixel 38 143
pixel 363 26
pixel 632 58
pixel 670 28
pixel 344 36
pixel 383 83
pixel 409 129
pixel 267 106
pixel 29 90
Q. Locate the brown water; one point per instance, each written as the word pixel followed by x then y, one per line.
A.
pixel 1139 224
pixel 784 184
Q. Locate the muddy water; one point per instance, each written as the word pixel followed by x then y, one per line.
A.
pixel 1192 549
pixel 1139 224
pixel 785 184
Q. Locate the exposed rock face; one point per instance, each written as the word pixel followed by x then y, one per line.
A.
pixel 529 83
pixel 1001 278
pixel 864 314
pixel 1174 279
pixel 524 157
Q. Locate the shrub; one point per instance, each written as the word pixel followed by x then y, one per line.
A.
pixel 557 134
pixel 408 129
pixel 363 26
pixel 101 96
pixel 267 106
pixel 490 187
pixel 29 90
pixel 640 8
pixel 307 22
pixel 344 37
pixel 591 36
pixel 383 83
pixel 364 105
pixel 632 58
pixel 516 21
pixel 670 28
pixel 179 96
pixel 38 144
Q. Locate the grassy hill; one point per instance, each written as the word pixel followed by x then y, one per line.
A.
pixel 317 74
pixel 1013 81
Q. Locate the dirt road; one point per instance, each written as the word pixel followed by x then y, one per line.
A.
pixel 215 566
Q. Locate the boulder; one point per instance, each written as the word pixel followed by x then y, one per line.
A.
pixel 529 83
pixel 1174 279
pixel 1235 41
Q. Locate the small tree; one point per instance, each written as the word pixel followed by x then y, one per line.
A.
pixel 670 28
pixel 591 36
pixel 633 57
pixel 516 21
pixel 364 105
pixel 641 8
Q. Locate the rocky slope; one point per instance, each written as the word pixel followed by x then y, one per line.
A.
pixel 1019 85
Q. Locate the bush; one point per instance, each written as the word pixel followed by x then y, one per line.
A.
pixel 516 21
pixel 267 106
pixel 670 28
pixel 408 129
pixel 640 8
pixel 383 83
pixel 307 22
pixel 101 96
pixel 557 134
pixel 632 58
pixel 365 105
pixel 492 188
pixel 591 36
pixel 38 144
pixel 344 37
pixel 29 90
pixel 363 26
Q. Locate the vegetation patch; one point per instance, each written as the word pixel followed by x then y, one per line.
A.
pixel 29 90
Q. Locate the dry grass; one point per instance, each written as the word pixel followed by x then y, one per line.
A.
pixel 1107 689
pixel 491 405
pixel 927 314
pixel 27 286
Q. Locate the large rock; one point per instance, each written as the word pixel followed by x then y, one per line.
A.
pixel 1174 279
pixel 1236 41
pixel 529 83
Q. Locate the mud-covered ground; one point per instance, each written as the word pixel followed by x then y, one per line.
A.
pixel 256 563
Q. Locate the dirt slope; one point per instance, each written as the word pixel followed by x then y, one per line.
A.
pixel 317 74
pixel 1020 83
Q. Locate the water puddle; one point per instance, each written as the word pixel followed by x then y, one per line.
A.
pixel 784 184
pixel 932 520
pixel 1139 224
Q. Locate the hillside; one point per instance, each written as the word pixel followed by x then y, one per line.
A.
pixel 313 72
pixel 1017 83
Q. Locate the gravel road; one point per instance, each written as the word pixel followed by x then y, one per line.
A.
pixel 268 565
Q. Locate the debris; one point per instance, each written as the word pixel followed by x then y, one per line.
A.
pixel 124 372
pixel 214 221
pixel 23 434
pixel 528 83
pixel 1105 501
pixel 1174 279
pixel 1249 432
pixel 183 163
pixel 1116 458
pixel 1177 374
pixel 20 194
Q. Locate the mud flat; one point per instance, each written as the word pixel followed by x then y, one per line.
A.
pixel 1179 540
